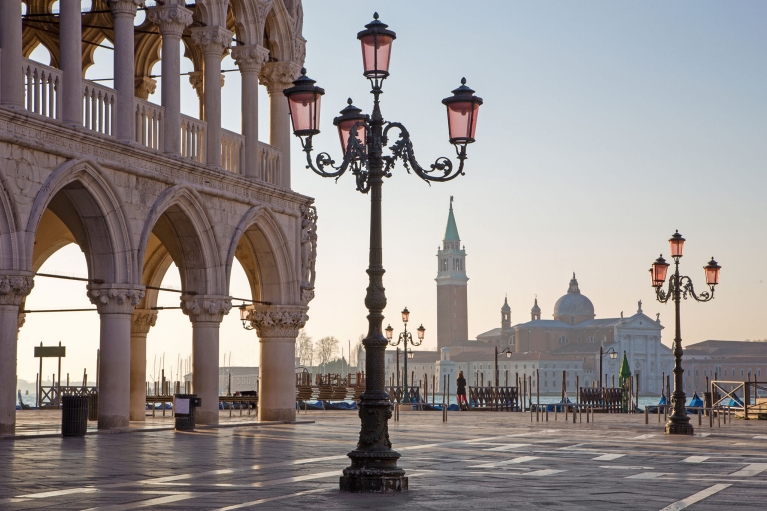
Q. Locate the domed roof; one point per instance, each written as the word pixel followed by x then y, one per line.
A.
pixel 573 303
pixel 536 309
pixel 505 307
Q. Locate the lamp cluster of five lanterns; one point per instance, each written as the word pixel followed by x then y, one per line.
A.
pixel 363 140
pixel 680 287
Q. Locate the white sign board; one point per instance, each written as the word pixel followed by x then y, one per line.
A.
pixel 181 406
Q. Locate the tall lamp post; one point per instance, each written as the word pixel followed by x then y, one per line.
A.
pixel 505 351
pixel 680 287
pixel 363 139
pixel 405 338
pixel 613 355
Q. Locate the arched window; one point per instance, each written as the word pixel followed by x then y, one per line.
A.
pixel 592 339
pixel 563 340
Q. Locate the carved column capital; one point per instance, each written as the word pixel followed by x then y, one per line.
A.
pixel 15 288
pixel 142 321
pixel 21 320
pixel 171 19
pixel 206 308
pixel 144 87
pixel 115 298
pixel 250 58
pixel 212 39
pixel 124 7
pixel 196 79
pixel 278 76
pixel 278 320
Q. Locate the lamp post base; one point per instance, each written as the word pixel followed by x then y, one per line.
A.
pixel 684 428
pixel 373 480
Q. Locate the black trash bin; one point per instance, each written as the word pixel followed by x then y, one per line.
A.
pixel 74 415
pixel 183 409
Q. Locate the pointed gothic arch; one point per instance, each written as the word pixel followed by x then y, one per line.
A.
pixel 79 195
pixel 263 251
pixel 180 222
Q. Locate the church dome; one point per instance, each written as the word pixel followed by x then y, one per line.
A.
pixel 505 307
pixel 535 309
pixel 573 307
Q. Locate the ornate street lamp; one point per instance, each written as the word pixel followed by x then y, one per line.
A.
pixel 506 351
pixel 680 287
pixel 363 139
pixel 602 354
pixel 405 338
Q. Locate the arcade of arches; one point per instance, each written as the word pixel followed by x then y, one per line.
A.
pixel 138 186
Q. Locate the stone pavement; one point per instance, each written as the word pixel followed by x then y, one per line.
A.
pixel 477 460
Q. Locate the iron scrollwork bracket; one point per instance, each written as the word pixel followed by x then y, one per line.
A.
pixel 354 158
pixel 403 149
pixel 683 285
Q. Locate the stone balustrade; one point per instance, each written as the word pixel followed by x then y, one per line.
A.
pixel 269 164
pixel 41 88
pixel 149 124
pixel 232 145
pixel 193 138
pixel 99 108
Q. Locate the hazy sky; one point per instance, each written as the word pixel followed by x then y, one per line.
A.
pixel 606 125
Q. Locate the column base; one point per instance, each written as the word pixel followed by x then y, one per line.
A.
pixel 7 429
pixel 277 414
pixel 113 422
pixel 206 418
pixel 684 428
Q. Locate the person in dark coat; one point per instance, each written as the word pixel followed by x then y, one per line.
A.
pixel 461 391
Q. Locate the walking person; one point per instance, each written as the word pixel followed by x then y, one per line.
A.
pixel 461 391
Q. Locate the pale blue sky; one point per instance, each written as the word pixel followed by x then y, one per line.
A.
pixel 606 125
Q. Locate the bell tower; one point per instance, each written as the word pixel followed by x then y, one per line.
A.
pixel 452 305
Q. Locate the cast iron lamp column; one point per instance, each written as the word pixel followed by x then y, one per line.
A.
pixel 405 338
pixel 508 353
pixel 363 138
pixel 680 287
pixel 613 355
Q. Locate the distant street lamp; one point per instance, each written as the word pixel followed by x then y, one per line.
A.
pixel 244 317
pixel 680 287
pixel 363 139
pixel 505 351
pixel 405 338
pixel 602 354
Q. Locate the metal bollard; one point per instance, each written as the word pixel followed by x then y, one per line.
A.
pixel 700 413
pixel 556 408
pixel 659 415
pixel 580 415
pixel 646 415
pixel 444 413
pixel 573 416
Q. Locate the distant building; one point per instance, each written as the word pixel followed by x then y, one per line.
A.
pixel 723 360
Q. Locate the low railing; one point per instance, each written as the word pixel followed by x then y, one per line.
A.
pixel 149 123
pixel 494 398
pixel 99 108
pixel 41 88
pixel 232 145
pixel 269 163
pixel 193 138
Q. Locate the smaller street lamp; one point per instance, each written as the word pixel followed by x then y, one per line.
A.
pixel 602 353
pixel 680 287
pixel 505 351
pixel 244 313
pixel 405 338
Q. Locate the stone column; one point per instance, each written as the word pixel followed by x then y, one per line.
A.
pixel 11 78
pixel 277 327
pixel 206 313
pixel 250 59
pixel 141 321
pixel 172 20
pixel 13 290
pixel 115 303
pixel 70 47
pixel 124 12
pixel 213 41
pixel 278 76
